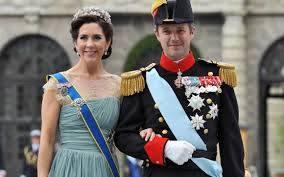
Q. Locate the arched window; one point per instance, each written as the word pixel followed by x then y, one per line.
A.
pixel 271 91
pixel 24 63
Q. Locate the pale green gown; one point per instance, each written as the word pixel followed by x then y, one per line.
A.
pixel 77 154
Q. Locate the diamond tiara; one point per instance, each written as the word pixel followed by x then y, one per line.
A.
pixel 93 11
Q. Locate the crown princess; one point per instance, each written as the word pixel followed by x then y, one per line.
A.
pixel 93 11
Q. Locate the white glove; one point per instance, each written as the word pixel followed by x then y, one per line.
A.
pixel 179 151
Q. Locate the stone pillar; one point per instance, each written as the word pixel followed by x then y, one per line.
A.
pixel 234 52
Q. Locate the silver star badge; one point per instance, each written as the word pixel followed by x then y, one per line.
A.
pixel 196 102
pixel 197 121
pixel 213 111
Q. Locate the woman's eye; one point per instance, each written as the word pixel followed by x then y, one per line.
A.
pixel 97 37
pixel 83 37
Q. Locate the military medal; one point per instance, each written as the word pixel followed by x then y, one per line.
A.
pixel 213 111
pixel 178 81
pixel 196 102
pixel 197 121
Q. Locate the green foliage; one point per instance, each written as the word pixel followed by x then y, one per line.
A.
pixel 148 43
pixel 280 132
pixel 279 142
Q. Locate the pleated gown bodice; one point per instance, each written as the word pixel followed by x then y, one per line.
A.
pixel 77 154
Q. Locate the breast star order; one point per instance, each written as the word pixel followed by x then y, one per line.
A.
pixel 197 121
pixel 213 111
pixel 196 102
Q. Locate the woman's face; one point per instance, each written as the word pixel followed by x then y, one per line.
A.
pixel 91 43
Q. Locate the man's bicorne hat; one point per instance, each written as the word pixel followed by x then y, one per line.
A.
pixel 172 12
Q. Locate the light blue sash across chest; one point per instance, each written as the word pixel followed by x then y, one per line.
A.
pixel 178 121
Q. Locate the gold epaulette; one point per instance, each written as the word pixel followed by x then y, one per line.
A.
pixel 133 81
pixel 227 72
pixel 31 158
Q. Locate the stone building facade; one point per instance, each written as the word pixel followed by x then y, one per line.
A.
pixel 247 33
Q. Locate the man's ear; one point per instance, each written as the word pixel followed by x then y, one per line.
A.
pixel 192 31
pixel 156 32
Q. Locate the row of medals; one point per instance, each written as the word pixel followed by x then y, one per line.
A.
pixel 193 88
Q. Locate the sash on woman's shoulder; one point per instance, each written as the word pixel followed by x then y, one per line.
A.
pixel 90 122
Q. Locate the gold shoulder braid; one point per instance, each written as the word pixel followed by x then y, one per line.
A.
pixel 227 73
pixel 31 158
pixel 133 81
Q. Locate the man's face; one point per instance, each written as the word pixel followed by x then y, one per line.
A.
pixel 175 39
pixel 35 139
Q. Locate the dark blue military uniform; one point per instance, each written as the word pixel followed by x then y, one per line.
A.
pixel 204 91
pixel 138 111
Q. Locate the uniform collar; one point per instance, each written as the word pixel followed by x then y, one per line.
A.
pixel 182 65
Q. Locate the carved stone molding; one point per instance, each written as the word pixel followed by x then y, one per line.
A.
pixel 266 7
pixel 118 6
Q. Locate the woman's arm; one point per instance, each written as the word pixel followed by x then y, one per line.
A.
pixel 50 113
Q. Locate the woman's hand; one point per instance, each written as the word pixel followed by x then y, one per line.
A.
pixel 147 134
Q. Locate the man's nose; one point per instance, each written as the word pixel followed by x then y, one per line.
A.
pixel 174 36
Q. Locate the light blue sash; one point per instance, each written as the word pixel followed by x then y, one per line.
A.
pixel 90 123
pixel 178 121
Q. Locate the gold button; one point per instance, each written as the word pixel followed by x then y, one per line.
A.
pixel 209 101
pixel 147 160
pixel 219 90
pixel 205 131
pixel 164 132
pixel 210 73
pixel 156 106
pixel 161 119
pixel 147 164
pixel 157 162
pixel 208 116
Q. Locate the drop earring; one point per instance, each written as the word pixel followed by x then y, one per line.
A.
pixel 106 51
pixel 75 50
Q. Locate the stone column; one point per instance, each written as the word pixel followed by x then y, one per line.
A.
pixel 234 52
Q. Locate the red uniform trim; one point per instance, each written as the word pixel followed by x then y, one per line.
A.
pixel 155 150
pixel 182 65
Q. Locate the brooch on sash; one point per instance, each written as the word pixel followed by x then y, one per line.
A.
pixel 63 88
pixel 78 103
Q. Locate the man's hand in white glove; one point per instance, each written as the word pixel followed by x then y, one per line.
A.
pixel 179 151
